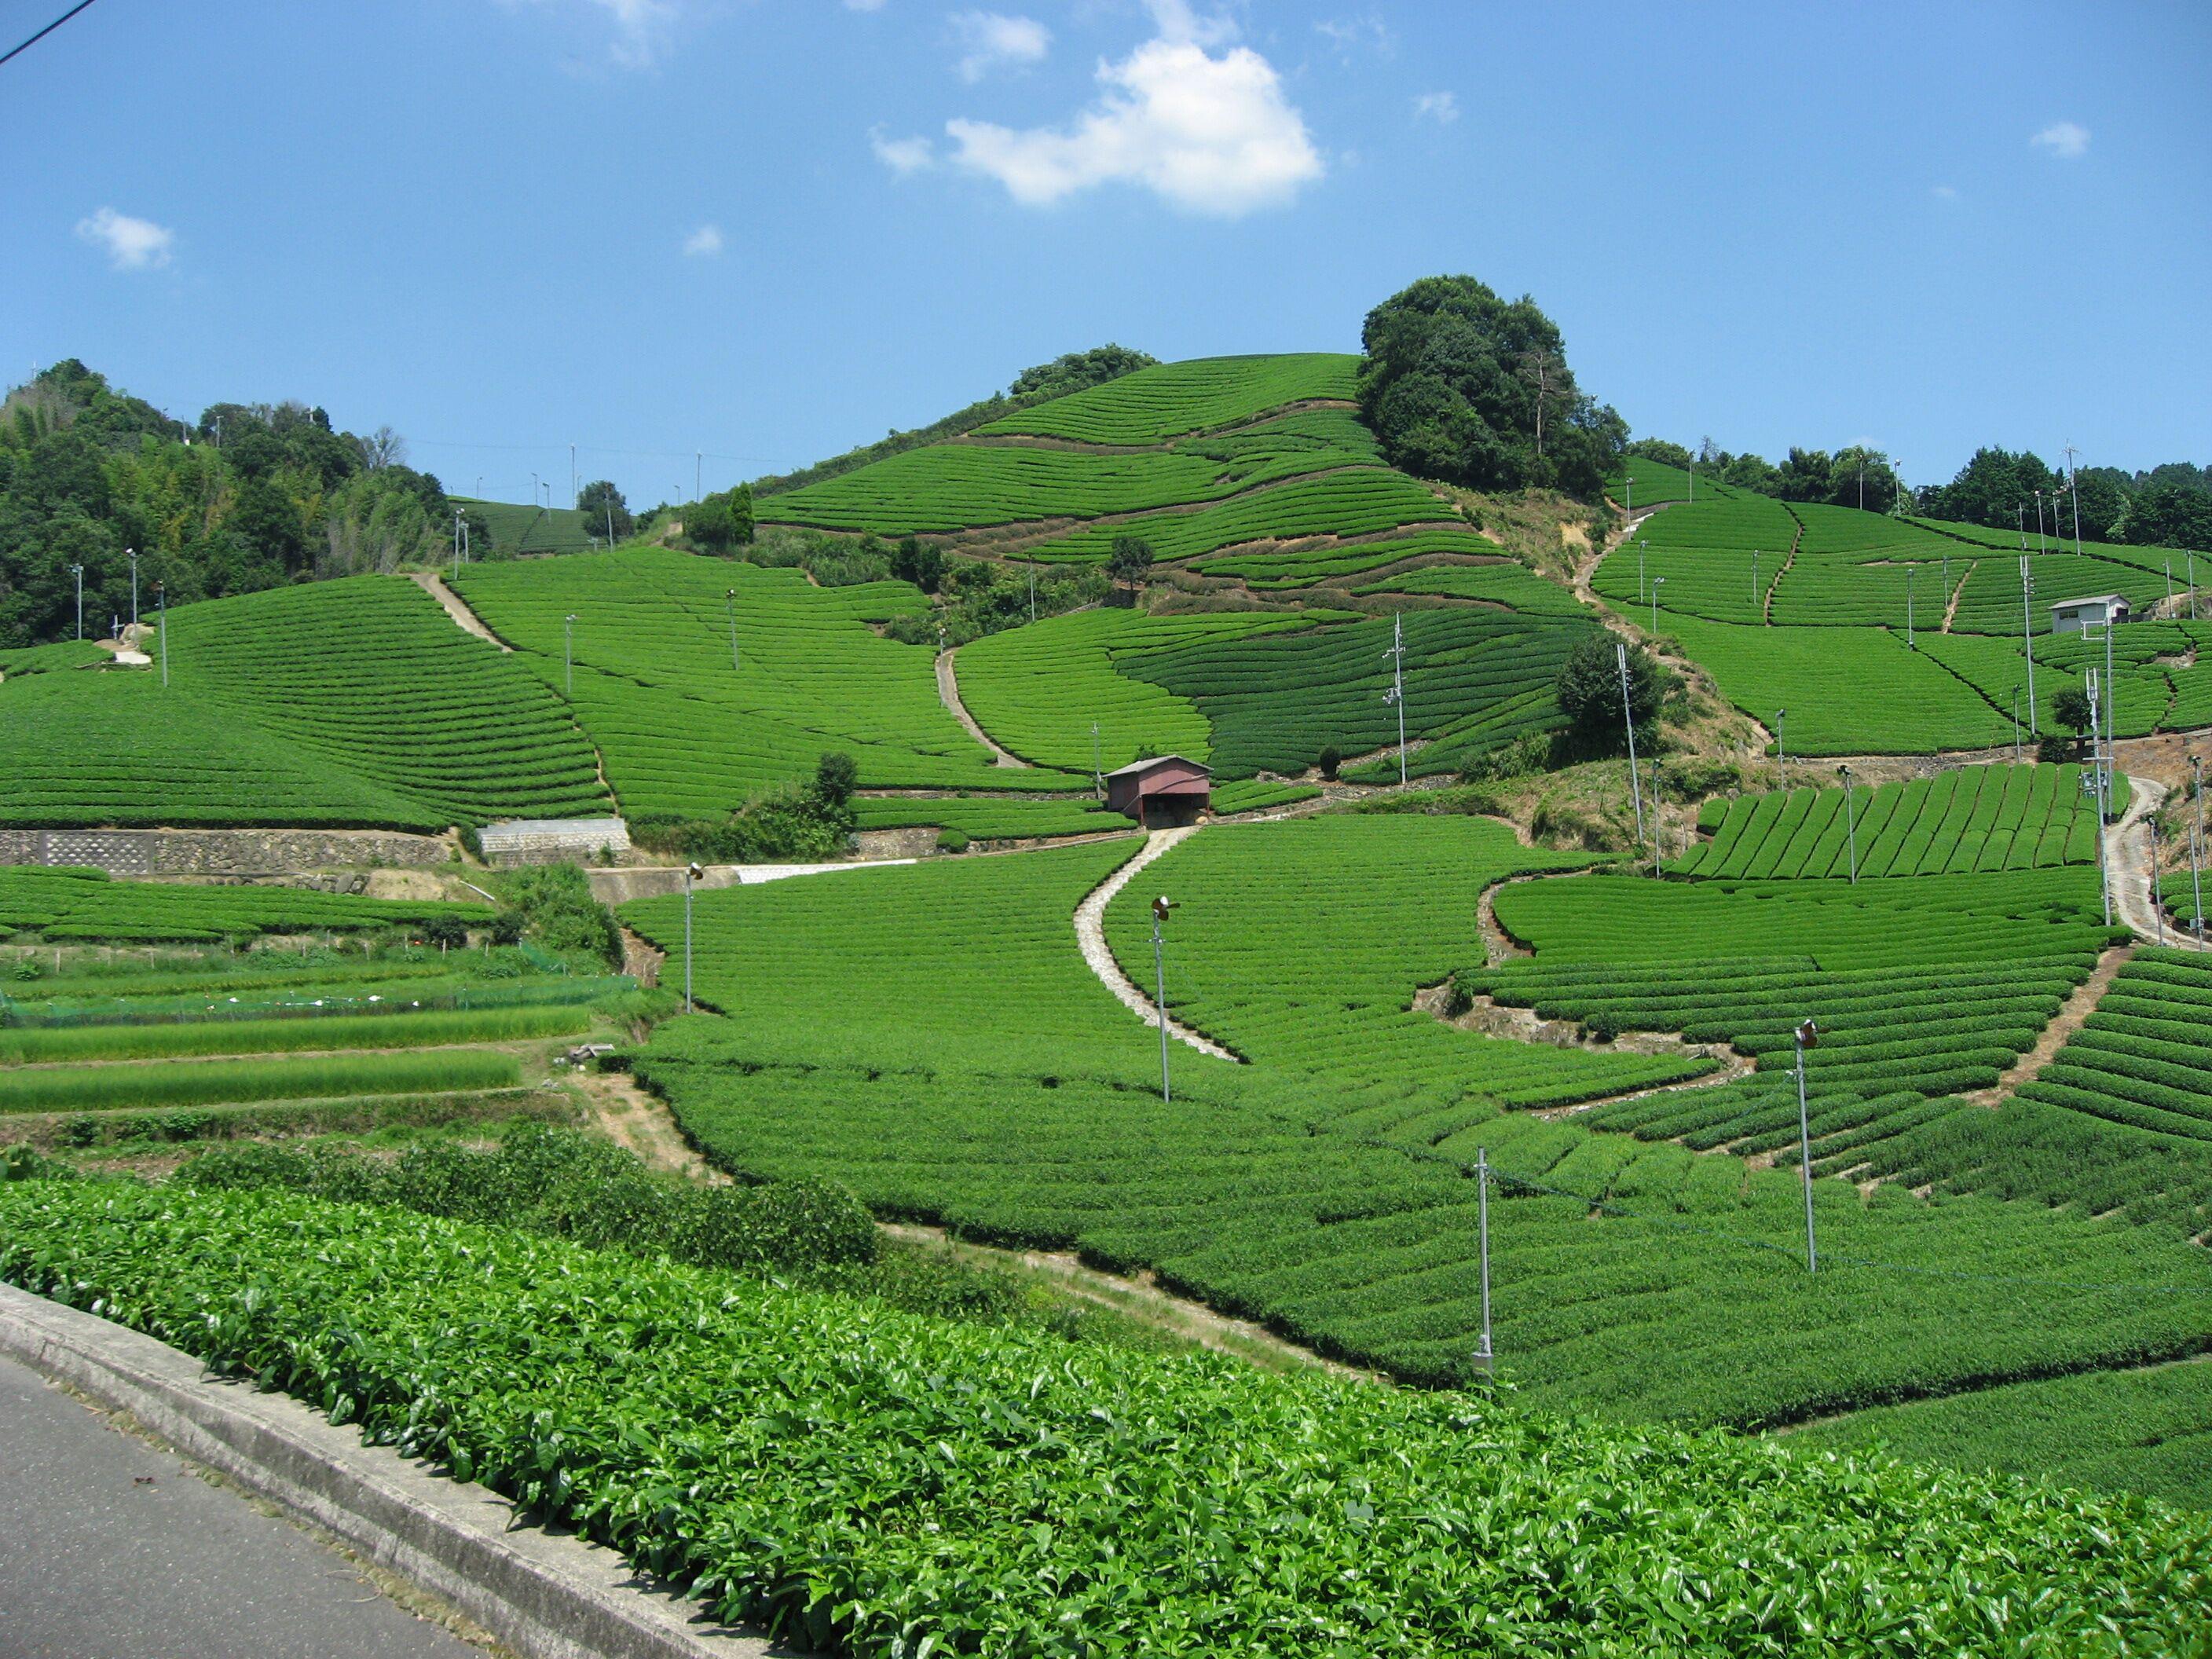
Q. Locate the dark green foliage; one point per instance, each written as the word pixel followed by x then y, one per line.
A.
pixel 2072 709
pixel 721 523
pixel 1590 694
pixel 1462 385
pixel 558 1181
pixel 1077 370
pixel 1130 560
pixel 835 778
pixel 918 561
pixel 606 513
pixel 1328 760
pixel 87 471
pixel 558 911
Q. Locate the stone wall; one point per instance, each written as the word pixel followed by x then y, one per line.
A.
pixel 218 852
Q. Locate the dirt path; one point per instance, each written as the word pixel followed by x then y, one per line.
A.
pixel 1958 592
pixel 2068 1020
pixel 642 1124
pixel 2127 844
pixel 948 693
pixel 1766 600
pixel 1091 935
pixel 1137 1297
pixel 435 585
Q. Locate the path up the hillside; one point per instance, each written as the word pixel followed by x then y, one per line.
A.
pixel 2127 844
pixel 948 693
pixel 2069 1018
pixel 435 585
pixel 1091 934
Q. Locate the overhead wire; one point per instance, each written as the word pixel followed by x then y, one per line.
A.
pixel 18 50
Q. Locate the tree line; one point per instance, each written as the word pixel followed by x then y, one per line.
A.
pixel 250 496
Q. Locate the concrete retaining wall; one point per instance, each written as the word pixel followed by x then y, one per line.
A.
pixel 218 852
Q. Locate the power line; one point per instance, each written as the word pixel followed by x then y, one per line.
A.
pixel 18 51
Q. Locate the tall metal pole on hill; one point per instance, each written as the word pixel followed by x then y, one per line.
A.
pixel 2097 791
pixel 1642 546
pixel 1781 744
pixel 134 585
pixel 1851 821
pixel 1909 643
pixel 2197 851
pixel 1808 1037
pixel 691 873
pixel 2074 489
pixel 1628 715
pixel 1161 906
pixel 2039 546
pixel 1397 692
pixel 729 601
pixel 77 570
pixel 1657 582
pixel 161 598
pixel 2027 637
pixel 568 652
pixel 1485 1356
pixel 2157 900
pixel 1097 777
pixel 457 542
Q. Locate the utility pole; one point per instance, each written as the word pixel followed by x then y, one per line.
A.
pixel 2074 489
pixel 1861 483
pixel 1909 643
pixel 1397 692
pixel 1484 1355
pixel 1160 908
pixel 1657 582
pixel 1628 716
pixel 1781 744
pixel 609 505
pixel 77 570
pixel 730 602
pixel 2027 635
pixel 1851 821
pixel 1642 546
pixel 1097 777
pixel 1808 1037
pixel 691 873
pixel 568 653
pixel 161 598
pixel 456 542
pixel 134 585
pixel 2039 546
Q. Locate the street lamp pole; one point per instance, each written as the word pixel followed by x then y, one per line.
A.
pixel 691 873
pixel 1808 1035
pixel 729 600
pixel 77 570
pixel 568 653
pixel 1909 643
pixel 1484 1355
pixel 1397 693
pixel 161 598
pixel 1851 821
pixel 2028 641
pixel 2197 851
pixel 134 585
pixel 1781 743
pixel 1657 582
pixel 1160 908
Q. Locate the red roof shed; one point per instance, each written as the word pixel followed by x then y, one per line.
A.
pixel 1165 790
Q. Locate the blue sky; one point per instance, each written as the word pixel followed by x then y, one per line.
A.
pixel 769 229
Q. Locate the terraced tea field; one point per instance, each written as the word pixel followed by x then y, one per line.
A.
pixel 68 905
pixel 1172 400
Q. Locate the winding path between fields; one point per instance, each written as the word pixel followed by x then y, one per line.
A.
pixel 1091 934
pixel 2128 845
pixel 948 693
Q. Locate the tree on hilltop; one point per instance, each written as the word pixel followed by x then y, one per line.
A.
pixel 1589 689
pixel 1463 386
pixel 1130 560
pixel 605 513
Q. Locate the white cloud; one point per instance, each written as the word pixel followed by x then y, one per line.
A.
pixel 131 244
pixel 703 243
pixel 993 40
pixel 2067 140
pixel 1442 108
pixel 641 27
pixel 1347 34
pixel 1944 192
pixel 902 155
pixel 1209 134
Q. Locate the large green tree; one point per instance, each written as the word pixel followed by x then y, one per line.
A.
pixel 1463 386
pixel 605 513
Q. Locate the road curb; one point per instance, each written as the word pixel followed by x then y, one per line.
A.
pixel 546 1594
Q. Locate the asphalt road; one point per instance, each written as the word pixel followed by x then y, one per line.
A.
pixel 112 1550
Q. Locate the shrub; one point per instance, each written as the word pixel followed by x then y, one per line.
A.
pixel 1329 760
pixel 952 841
pixel 835 776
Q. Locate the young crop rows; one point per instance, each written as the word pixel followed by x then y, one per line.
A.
pixel 1977 818
pixel 1358 501
pixel 83 904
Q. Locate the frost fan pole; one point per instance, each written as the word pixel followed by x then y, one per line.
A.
pixel 1160 908
pixel 1628 715
pixel 691 873
pixel 2027 638
pixel 1808 1037
pixel 1484 1355
pixel 2196 851
pixel 1397 692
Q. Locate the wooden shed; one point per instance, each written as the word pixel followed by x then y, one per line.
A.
pixel 2073 615
pixel 1160 792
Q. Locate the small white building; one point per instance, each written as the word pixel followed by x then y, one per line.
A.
pixel 2072 616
